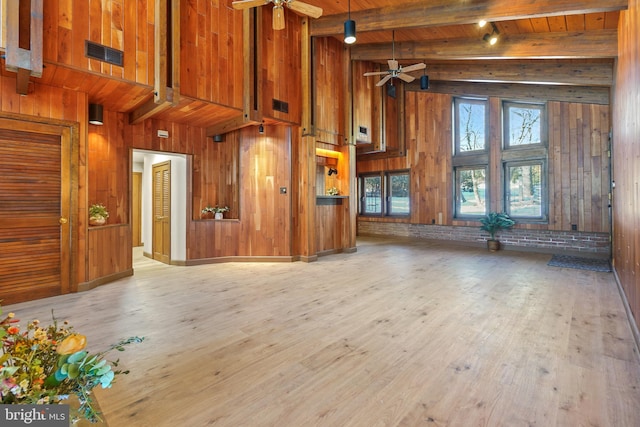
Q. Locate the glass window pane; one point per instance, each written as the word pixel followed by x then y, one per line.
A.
pixel 525 125
pixel 471 192
pixel 525 188
pixel 372 194
pixel 399 194
pixel 470 126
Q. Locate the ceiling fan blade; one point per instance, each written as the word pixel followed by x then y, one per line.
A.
pixel 375 73
pixel 278 17
pixel 406 77
pixel 384 80
pixel 246 4
pixel 305 9
pixel 393 64
pixel 414 67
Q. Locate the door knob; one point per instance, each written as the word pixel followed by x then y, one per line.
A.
pixel 63 220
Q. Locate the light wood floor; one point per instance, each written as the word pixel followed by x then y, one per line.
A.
pixel 396 334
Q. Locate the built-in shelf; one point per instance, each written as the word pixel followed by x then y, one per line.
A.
pixel 329 200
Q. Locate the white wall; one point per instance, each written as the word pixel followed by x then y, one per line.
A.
pixel 178 201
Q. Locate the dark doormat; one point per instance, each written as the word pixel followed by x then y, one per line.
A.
pixel 582 263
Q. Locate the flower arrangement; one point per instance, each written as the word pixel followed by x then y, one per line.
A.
pixel 215 209
pixel 45 364
pixel 98 211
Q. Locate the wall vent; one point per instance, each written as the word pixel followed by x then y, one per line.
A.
pixel 281 106
pixel 103 53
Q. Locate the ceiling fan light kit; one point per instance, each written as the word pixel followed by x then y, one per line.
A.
pixel 278 9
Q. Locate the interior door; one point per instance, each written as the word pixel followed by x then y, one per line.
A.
pixel 36 197
pixel 162 212
pixel 136 210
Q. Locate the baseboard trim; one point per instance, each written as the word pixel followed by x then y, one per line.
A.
pixel 92 284
pixel 239 259
pixel 627 308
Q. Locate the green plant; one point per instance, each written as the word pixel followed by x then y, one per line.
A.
pixel 97 211
pixel 45 364
pixel 495 221
pixel 215 209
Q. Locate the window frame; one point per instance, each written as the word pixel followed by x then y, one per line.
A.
pixel 457 193
pixel 506 123
pixel 385 193
pixel 456 120
pixel 544 202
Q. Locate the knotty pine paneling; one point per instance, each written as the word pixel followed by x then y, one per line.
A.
pixel 578 166
pixel 109 249
pixel 211 56
pixel 626 159
pixel 329 106
pixel 366 103
pixel 332 226
pixel 279 66
pixel 124 25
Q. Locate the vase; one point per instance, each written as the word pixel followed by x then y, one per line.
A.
pixel 97 221
pixel 218 215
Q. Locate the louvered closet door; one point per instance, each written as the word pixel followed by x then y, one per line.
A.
pixel 162 212
pixel 33 263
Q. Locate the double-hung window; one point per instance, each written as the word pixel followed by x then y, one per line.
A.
pixel 525 158
pixel 471 157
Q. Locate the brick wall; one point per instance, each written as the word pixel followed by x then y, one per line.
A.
pixel 536 240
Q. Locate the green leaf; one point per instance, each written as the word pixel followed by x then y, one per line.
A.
pixel 74 371
pixel 77 357
pixel 103 370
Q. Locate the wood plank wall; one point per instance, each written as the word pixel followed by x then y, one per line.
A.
pixel 280 65
pixel 212 33
pixel 329 107
pixel 578 163
pixel 626 158
pixel 68 23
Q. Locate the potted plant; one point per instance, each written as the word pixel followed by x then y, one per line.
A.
pixel 219 211
pixel 207 212
pixel 493 222
pixel 98 214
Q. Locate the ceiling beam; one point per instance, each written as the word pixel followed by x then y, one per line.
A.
pixel 569 45
pixel 445 12
pixel 547 72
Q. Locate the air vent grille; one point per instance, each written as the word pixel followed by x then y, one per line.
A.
pixel 281 106
pixel 104 53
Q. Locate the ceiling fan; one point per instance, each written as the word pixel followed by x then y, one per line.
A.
pixel 278 9
pixel 396 70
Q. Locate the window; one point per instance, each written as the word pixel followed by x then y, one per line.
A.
pixel 471 157
pixel 471 194
pixel 372 195
pixel 523 124
pixel 390 187
pixel 471 124
pixel 524 194
pixel 398 199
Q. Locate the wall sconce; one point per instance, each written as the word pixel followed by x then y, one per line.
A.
pixel 332 171
pixel 349 28
pixel 95 114
pixel 493 37
pixel 218 138
pixel 261 129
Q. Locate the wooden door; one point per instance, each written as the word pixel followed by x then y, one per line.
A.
pixel 136 210
pixel 162 212
pixel 36 200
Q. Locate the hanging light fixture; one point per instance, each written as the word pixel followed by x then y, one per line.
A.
pixel 261 129
pixel 349 28
pixel 95 114
pixel 424 80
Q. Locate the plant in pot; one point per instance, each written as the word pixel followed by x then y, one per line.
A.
pixel 98 214
pixel 207 212
pixel 493 222
pixel 219 211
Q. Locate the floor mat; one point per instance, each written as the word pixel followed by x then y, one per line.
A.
pixel 582 263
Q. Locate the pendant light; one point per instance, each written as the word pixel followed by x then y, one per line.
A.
pixel 349 28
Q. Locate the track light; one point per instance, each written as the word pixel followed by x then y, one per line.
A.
pixel 349 28
pixel 482 23
pixel 332 171
pixel 493 37
pixel 95 114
